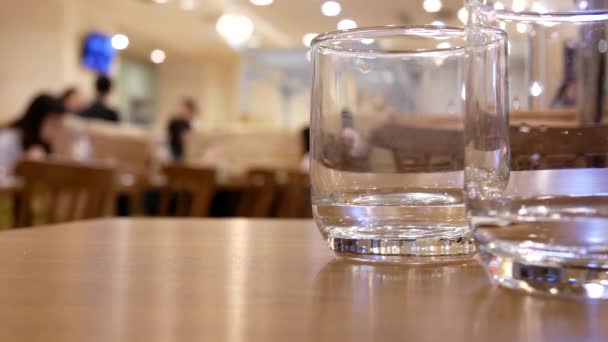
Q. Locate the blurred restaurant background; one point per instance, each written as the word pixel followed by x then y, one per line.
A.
pixel 209 98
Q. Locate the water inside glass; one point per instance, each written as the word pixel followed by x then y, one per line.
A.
pixel 380 220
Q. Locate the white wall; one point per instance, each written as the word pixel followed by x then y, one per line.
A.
pixel 42 40
pixel 31 61
pixel 220 91
pixel 178 78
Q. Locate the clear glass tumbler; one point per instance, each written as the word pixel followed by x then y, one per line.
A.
pixel 548 233
pixel 387 129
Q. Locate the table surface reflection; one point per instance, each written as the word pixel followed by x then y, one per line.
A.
pixel 253 280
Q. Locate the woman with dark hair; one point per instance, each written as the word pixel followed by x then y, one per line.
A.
pixel 30 136
pixel 72 100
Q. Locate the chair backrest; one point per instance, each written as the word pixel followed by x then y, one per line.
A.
pixel 295 200
pixel 534 148
pixel 60 192
pixel 422 149
pixel 189 191
pixel 563 117
pixel 258 199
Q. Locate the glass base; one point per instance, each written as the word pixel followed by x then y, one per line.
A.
pixel 426 243
pixel 408 259
pixel 574 280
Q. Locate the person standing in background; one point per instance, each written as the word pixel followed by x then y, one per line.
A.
pixel 305 139
pixel 179 128
pixel 99 109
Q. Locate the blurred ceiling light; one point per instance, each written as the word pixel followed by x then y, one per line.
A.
pixel 158 56
pixel 463 15
pixel 346 24
pixel 187 5
pixel 162 2
pixel 432 6
pixel 331 8
pixel 438 23
pixel 262 2
pixel 307 38
pixel 538 8
pixel 536 89
pixel 444 45
pixel 120 41
pixel 522 27
pixel 499 6
pixel 367 41
pixel 583 4
pixel 594 290
pixel 236 29
pixel 519 5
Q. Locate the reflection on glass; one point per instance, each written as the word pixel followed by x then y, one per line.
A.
pixel 388 144
pixel 547 242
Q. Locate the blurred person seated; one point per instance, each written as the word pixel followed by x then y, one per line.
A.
pixel 72 100
pixel 355 144
pixel 566 95
pixel 305 162
pixel 100 109
pixel 179 128
pixel 31 135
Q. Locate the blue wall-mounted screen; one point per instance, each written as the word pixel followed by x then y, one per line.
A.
pixel 98 53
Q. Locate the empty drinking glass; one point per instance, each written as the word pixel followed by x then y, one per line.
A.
pixel 550 236
pixel 387 129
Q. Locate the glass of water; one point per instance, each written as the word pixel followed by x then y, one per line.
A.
pixel 387 129
pixel 548 233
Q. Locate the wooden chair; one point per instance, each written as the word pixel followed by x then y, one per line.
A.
pixel 535 148
pixel 259 197
pixel 127 148
pixel 189 191
pixel 295 199
pixel 59 192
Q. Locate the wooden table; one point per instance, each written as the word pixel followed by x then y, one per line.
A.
pixel 253 280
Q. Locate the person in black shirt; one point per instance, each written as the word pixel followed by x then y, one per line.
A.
pixel 179 128
pixel 99 109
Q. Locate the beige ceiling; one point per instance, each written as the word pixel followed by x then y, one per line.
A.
pixel 295 18
pixel 281 24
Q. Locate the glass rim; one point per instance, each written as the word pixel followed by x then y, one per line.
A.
pixel 557 17
pixel 578 15
pixel 375 32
